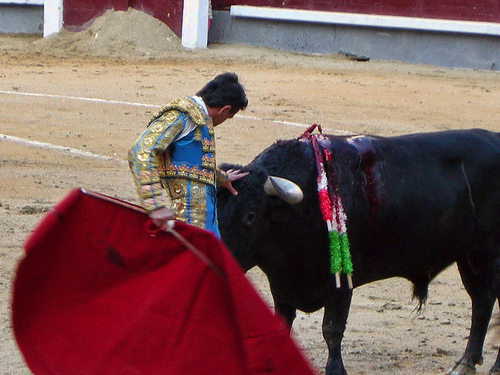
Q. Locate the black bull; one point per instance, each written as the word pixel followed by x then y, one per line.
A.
pixel 415 204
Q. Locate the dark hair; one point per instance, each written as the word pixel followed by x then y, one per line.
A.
pixel 224 90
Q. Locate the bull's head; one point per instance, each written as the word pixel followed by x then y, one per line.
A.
pixel 246 219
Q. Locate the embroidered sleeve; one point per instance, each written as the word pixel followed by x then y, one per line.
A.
pixel 220 177
pixel 146 156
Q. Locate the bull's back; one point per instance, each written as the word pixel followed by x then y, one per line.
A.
pixel 432 199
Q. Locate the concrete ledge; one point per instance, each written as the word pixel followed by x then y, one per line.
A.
pixel 367 20
pixel 22 2
pixel 440 48
pixel 21 17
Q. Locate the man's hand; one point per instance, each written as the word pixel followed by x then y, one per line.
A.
pixel 161 217
pixel 233 175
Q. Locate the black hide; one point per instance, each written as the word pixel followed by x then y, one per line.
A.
pixel 415 204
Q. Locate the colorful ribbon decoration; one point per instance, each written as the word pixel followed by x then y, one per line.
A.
pixel 333 214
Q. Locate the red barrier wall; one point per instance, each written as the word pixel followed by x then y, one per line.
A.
pixel 79 14
pixel 469 10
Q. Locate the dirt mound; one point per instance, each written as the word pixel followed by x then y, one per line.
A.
pixel 116 34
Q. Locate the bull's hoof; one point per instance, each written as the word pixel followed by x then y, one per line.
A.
pixel 462 369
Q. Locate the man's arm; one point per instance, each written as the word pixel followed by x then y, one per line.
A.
pixel 147 154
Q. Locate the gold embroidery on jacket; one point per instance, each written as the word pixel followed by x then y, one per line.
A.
pixel 184 105
pixel 190 210
pixel 149 160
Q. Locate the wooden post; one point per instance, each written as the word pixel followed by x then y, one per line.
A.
pixel 52 17
pixel 195 24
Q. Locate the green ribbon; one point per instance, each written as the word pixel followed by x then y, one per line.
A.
pixel 340 256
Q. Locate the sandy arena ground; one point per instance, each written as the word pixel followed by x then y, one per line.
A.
pixel 70 108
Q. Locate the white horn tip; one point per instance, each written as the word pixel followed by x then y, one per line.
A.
pixel 285 189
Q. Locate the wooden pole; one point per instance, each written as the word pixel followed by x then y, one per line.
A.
pixel 195 24
pixel 53 17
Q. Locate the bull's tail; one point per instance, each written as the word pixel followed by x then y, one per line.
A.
pixel 420 291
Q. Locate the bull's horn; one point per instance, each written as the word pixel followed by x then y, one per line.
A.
pixel 285 189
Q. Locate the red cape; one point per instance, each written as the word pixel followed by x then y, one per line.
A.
pixel 97 293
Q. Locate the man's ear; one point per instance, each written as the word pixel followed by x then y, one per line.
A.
pixel 225 109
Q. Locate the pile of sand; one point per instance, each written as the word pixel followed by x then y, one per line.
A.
pixel 116 34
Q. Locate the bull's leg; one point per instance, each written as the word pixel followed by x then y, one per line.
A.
pixel 483 300
pixel 495 369
pixel 334 323
pixel 287 312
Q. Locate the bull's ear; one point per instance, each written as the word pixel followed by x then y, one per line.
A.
pixel 287 190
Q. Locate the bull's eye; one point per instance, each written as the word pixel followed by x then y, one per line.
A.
pixel 249 218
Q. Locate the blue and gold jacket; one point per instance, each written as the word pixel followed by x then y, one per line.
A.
pixel 159 154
